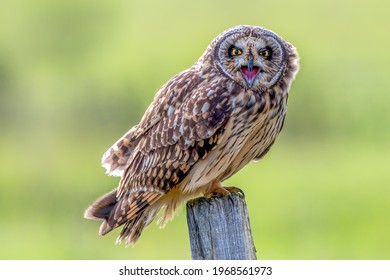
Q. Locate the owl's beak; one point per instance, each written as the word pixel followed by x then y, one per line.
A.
pixel 250 62
pixel 250 71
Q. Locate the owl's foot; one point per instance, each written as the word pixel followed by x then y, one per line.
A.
pixel 217 190
pixel 235 190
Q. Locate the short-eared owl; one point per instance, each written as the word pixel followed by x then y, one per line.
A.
pixel 203 126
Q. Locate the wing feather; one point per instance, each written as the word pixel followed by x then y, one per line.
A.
pixel 170 97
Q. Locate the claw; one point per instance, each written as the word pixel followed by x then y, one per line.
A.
pixel 236 190
pixel 231 198
pixel 207 199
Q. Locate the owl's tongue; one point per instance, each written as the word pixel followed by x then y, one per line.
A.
pixel 250 75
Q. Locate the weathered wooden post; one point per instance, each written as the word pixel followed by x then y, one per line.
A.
pixel 219 228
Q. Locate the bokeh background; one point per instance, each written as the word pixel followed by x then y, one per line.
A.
pixel 75 75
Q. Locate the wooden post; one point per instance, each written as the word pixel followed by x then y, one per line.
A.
pixel 219 228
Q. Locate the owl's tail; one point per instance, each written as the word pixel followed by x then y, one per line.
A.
pixel 136 210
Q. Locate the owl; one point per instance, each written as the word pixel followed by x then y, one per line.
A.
pixel 204 125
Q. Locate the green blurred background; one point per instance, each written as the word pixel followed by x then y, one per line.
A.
pixel 76 75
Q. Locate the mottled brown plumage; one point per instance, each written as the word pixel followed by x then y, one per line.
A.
pixel 204 125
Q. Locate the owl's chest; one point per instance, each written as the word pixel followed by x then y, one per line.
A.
pixel 256 123
pixel 253 126
pixel 255 115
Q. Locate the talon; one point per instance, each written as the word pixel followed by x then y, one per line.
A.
pixel 235 190
pixel 207 199
pixel 231 198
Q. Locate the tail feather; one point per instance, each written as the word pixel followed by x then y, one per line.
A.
pixel 102 207
pixel 133 228
pixel 135 210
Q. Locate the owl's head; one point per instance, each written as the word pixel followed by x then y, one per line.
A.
pixel 254 57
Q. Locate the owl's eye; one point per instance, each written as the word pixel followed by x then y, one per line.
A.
pixel 266 53
pixel 233 51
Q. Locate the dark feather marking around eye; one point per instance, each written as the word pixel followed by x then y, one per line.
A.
pixel 271 53
pixel 230 51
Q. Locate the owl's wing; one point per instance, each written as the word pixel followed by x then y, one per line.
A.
pixel 116 157
pixel 172 95
pixel 187 129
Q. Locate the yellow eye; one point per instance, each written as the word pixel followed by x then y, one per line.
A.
pixel 265 53
pixel 233 51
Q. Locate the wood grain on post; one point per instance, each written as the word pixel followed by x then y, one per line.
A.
pixel 219 228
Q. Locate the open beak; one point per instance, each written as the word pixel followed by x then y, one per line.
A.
pixel 250 71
